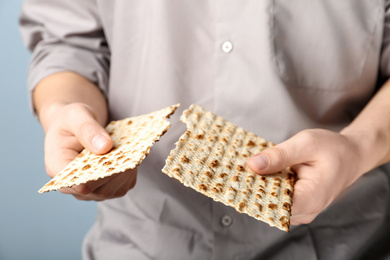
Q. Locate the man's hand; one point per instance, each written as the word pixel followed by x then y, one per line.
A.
pixel 72 128
pixel 72 111
pixel 325 162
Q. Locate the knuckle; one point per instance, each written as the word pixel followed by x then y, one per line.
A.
pixel 85 128
pixel 81 198
pixel 317 208
pixel 132 184
pixel 281 154
pixel 312 212
pixel 308 138
pixel 105 193
pixel 82 189
pixel 74 109
pixel 85 132
pixel 71 115
pixel 71 111
pixel 121 192
pixel 304 212
pixel 305 220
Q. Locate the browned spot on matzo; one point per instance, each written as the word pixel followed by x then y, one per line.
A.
pixel 214 163
pixel 184 159
pixel 272 206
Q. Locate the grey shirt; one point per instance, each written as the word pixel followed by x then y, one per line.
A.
pixel 274 67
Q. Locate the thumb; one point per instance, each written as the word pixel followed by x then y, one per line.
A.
pixel 276 158
pixel 90 133
pixel 101 142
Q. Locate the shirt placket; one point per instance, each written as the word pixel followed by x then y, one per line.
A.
pixel 224 224
pixel 234 21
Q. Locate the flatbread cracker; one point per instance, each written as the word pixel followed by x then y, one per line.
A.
pixel 211 156
pixel 132 137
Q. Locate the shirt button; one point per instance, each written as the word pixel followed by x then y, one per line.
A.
pixel 226 221
pixel 227 47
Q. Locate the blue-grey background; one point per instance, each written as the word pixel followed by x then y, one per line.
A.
pixel 32 225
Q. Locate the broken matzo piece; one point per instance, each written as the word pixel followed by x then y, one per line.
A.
pixel 211 156
pixel 132 138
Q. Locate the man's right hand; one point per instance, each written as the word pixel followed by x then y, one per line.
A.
pixel 74 121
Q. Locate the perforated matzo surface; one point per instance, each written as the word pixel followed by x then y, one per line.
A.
pixel 211 158
pixel 132 137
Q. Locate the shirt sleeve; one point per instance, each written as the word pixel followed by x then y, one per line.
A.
pixel 64 36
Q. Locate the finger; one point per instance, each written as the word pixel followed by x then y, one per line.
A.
pixel 309 197
pixel 118 186
pixel 302 210
pixel 82 123
pixel 292 152
pixel 110 187
pixel 86 189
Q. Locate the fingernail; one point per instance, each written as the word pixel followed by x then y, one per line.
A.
pixel 260 161
pixel 98 142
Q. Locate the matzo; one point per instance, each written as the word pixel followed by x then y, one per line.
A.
pixel 132 138
pixel 211 156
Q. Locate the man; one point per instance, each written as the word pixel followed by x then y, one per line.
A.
pixel 301 71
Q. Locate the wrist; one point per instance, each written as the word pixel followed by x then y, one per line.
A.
pixel 369 148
